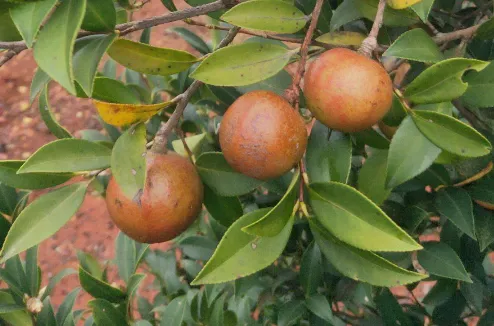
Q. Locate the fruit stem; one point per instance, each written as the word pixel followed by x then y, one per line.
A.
pixel 161 138
pixel 370 43
pixel 293 92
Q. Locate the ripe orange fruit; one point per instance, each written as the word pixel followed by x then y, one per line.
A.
pixel 262 136
pixel 170 202
pixel 347 91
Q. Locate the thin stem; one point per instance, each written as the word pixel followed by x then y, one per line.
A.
pixel 456 35
pixel 181 135
pixel 160 140
pixel 370 43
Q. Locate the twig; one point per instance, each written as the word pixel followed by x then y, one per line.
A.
pixel 370 43
pixel 294 91
pixel 462 33
pixel 181 135
pixel 264 35
pixel 485 171
pixel 160 140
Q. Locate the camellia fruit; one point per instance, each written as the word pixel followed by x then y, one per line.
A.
pixel 169 204
pixel 262 136
pixel 347 91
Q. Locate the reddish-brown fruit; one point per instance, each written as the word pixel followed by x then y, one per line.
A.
pixel 170 202
pixel 262 136
pixel 387 130
pixel 347 91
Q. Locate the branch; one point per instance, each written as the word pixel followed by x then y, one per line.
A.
pixel 160 140
pixel 294 91
pixel 370 43
pixel 126 28
pixel 456 35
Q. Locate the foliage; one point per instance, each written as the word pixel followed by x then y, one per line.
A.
pixel 320 245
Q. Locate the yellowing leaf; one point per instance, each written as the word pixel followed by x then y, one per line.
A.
pixel 342 38
pixel 148 59
pixel 402 4
pixel 118 114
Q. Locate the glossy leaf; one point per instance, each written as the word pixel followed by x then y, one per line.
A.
pixel 240 254
pixel 361 265
pixel 442 81
pixel 483 191
pixel 221 178
pixel 486 30
pixel 278 84
pixel 342 38
pixel 372 177
pixel 440 259
pixel 45 112
pixel 311 271
pixel 423 8
pixel 55 43
pixel 329 155
pixel 415 45
pixel 474 294
pixel 390 310
pixel 125 114
pixel 8 199
pixel 28 17
pixel 175 312
pixel 320 306
pixel 148 59
pixel 243 64
pixel 441 292
pixel 276 219
pixel 340 208
pixel 456 205
pixel 451 135
pixel 371 138
pixel 9 176
pixel 225 210
pixel 100 16
pixel 129 254
pixel 291 313
pixel 401 4
pixel 105 313
pixel 267 15
pixel 410 154
pixel 90 50
pixel 40 79
pixel 43 218
pixel 113 91
pixel 68 155
pixel 98 288
pixel 128 161
pixel 13 313
pixel 479 93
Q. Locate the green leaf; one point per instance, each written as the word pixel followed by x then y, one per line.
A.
pixel 276 219
pixel 8 199
pixel 410 154
pixel 486 30
pixel 329 155
pixel 105 313
pixel 128 161
pixel 371 138
pixel 113 91
pixel 100 16
pixel 197 247
pixel 195 143
pixel 221 178
pixel 484 227
pixel 440 259
pixel 323 24
pixel 340 208
pixel 68 155
pixel 100 289
pixel 240 254
pixel 483 191
pixel 415 45
pixel 243 64
pixel 148 59
pixel 218 313
pixel 42 218
pixel 361 265
pixel 28 17
pixel 17 317
pixel 129 254
pixel 39 81
pixel 267 15
pixel 225 210
pixel 9 176
pixel 423 8
pixel 480 91
pixel 45 112
pixel 442 81
pixel 8 30
pixel 175 312
pixel 390 309
pixel 413 217
pixel 32 271
pixel 291 312
pixel 169 5
pixel 193 39
pixel 311 271
pixel 474 294
pixel 55 43
pixel 320 306
pixel 278 83
pixel 441 292
pixel 372 177
pixel 456 205
pixel 90 50
pixel 451 134
pixel 55 279
pixel 64 312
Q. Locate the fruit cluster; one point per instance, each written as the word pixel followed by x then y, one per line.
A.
pixel 261 136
